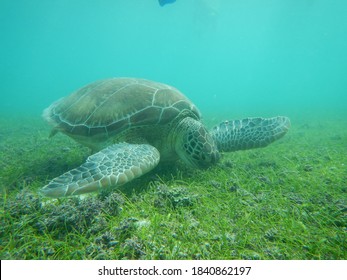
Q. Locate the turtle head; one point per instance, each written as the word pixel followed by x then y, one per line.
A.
pixel 194 145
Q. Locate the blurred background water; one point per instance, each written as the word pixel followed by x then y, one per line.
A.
pixel 241 57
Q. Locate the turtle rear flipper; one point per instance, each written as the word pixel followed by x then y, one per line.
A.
pixel 249 133
pixel 112 166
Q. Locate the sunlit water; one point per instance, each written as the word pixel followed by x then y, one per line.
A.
pixel 235 58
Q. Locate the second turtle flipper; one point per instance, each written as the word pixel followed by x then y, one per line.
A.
pixel 112 166
pixel 249 133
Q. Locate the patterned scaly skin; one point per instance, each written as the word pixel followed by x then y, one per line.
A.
pixel 249 133
pixel 112 166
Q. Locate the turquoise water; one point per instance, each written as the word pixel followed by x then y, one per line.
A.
pixel 233 59
pixel 242 57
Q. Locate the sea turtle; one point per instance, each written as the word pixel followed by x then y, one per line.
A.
pixel 131 124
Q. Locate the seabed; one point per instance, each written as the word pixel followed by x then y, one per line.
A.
pixel 285 201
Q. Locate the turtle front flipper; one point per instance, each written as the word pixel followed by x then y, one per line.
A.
pixel 249 133
pixel 112 166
